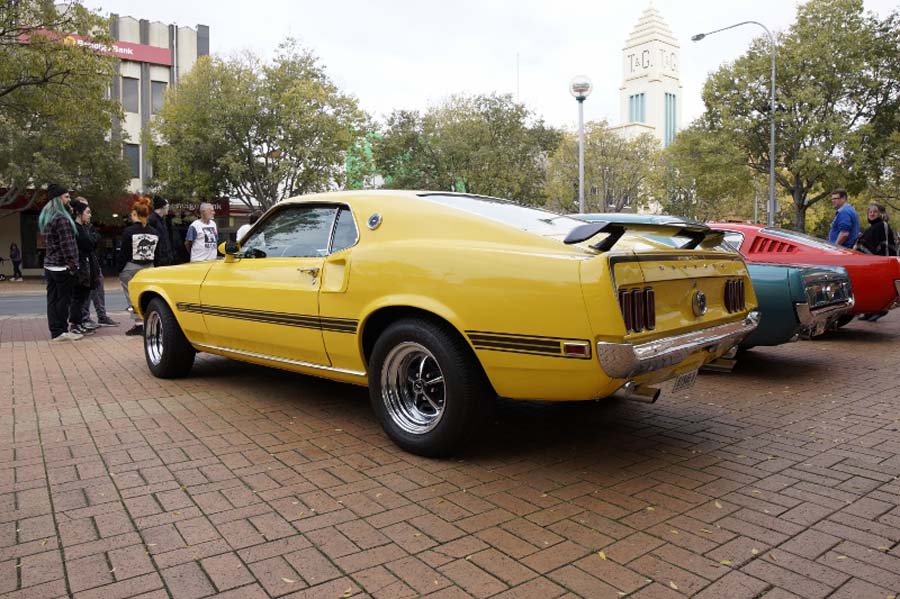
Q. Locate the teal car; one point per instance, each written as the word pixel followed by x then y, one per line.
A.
pixel 795 301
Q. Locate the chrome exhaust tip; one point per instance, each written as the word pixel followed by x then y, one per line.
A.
pixel 636 392
pixel 719 365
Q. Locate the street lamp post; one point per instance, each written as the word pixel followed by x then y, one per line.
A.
pixel 770 217
pixel 580 88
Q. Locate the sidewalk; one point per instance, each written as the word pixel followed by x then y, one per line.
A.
pixel 780 479
pixel 36 285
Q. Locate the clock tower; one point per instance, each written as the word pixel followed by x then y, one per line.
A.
pixel 650 96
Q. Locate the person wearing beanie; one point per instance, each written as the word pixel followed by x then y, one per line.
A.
pixel 60 262
pixel 158 221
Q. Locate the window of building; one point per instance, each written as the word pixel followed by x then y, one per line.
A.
pixel 637 109
pixel 157 93
pixel 671 113
pixel 132 154
pixel 131 100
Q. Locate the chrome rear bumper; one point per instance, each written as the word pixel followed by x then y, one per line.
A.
pixel 816 322
pixel 624 360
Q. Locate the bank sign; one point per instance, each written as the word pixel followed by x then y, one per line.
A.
pixel 124 50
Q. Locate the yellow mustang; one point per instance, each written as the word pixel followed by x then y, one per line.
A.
pixel 440 301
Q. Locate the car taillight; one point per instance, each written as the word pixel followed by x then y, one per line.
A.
pixel 735 296
pixel 638 309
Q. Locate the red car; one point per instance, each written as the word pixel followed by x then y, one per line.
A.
pixel 875 279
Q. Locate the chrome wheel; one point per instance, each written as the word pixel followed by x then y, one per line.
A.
pixel 153 337
pixel 412 388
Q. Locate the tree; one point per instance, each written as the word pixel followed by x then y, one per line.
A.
pixel 54 114
pixel 487 144
pixel 836 75
pixel 705 176
pixel 258 132
pixel 617 171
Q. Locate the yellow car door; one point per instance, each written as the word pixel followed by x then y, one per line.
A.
pixel 265 302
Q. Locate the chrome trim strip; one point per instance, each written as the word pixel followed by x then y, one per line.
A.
pixel 279 360
pixel 624 360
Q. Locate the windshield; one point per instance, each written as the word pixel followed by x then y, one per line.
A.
pixel 533 220
pixel 803 238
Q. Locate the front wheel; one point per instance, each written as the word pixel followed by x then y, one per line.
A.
pixel 168 352
pixel 427 388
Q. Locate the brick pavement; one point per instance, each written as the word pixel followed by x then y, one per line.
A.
pixel 777 480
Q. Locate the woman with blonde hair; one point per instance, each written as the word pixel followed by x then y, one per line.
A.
pixel 137 252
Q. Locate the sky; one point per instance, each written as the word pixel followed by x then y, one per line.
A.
pixel 409 54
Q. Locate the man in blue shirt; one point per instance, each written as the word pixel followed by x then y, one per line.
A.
pixel 845 226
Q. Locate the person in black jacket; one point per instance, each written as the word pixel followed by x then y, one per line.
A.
pixel 97 295
pixel 60 260
pixel 138 251
pixel 879 238
pixel 158 222
pixel 85 277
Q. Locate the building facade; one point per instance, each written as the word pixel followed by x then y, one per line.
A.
pixel 158 56
pixel 650 95
pixel 153 57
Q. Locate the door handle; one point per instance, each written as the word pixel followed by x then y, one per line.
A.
pixel 312 271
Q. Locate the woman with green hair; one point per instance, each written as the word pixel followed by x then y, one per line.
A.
pixel 60 262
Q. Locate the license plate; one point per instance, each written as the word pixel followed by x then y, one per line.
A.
pixel 684 381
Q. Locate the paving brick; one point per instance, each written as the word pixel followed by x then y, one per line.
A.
pixel 472 579
pixel 226 571
pixel 88 572
pixel 582 583
pixel 313 566
pixel 187 581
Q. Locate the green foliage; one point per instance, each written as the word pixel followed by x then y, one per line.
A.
pixel 255 131
pixel 486 144
pixel 618 172
pixel 836 80
pixel 54 114
pixel 705 177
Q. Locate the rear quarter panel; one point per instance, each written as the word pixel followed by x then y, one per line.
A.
pixel 495 289
pixel 776 297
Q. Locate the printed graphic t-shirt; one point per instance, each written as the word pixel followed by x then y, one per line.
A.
pixel 205 237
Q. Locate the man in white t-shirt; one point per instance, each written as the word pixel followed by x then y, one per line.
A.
pixel 202 237
pixel 242 230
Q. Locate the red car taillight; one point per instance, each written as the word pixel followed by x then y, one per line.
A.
pixel 735 296
pixel 638 309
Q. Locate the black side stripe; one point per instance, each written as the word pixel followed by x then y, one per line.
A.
pixel 336 325
pixel 520 344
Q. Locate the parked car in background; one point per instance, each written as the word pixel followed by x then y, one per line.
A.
pixel 794 301
pixel 440 301
pixel 797 302
pixel 875 279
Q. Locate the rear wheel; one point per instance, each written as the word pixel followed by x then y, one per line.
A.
pixel 167 350
pixel 844 320
pixel 426 387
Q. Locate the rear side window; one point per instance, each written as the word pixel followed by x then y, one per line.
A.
pixel 345 234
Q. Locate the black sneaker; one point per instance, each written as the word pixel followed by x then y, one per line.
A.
pixel 106 321
pixel 80 330
pixel 137 329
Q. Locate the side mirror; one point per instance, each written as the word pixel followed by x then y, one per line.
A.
pixel 230 249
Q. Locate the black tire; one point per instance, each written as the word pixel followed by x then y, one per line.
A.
pixel 844 320
pixel 427 351
pixel 169 354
